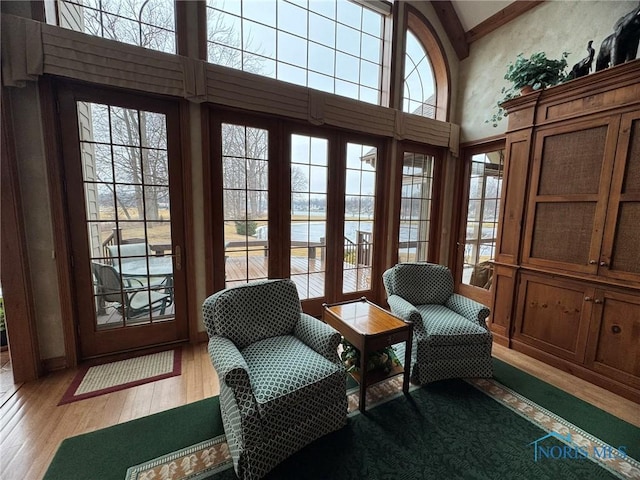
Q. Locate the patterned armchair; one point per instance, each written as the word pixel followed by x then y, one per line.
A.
pixel 282 384
pixel 450 335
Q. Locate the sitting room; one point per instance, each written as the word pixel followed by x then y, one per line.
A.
pixel 243 237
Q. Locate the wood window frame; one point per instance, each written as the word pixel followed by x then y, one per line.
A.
pixel 425 33
pixel 54 133
pixel 459 218
pixel 279 174
pixel 437 196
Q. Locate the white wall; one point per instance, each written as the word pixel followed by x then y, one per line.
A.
pixel 552 27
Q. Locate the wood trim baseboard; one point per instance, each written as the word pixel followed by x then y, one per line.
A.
pixel 54 364
pixel 579 371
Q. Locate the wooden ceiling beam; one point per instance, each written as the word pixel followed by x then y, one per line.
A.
pixel 452 27
pixel 502 17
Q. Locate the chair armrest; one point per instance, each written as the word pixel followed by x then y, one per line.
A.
pixel 405 310
pixel 474 311
pixel 236 396
pixel 230 365
pixel 319 336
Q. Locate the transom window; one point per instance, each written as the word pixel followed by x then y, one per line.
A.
pixel 419 95
pixel 146 23
pixel 330 45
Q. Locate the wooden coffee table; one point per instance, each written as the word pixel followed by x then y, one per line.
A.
pixel 370 328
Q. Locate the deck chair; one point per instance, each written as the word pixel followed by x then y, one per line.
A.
pixel 131 296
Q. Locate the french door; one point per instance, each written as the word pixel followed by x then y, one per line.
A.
pixel 123 176
pixel 292 202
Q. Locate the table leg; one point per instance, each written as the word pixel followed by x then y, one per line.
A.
pixel 363 380
pixel 407 366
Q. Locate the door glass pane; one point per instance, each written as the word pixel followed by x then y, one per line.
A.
pixel 485 185
pixel 309 157
pixel 128 218
pixel 415 207
pixel 245 174
pixel 359 208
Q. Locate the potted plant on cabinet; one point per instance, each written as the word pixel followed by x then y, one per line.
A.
pixel 528 74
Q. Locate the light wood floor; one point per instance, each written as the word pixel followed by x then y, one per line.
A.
pixel 32 425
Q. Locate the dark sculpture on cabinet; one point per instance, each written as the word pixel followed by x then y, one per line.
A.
pixel 583 67
pixel 622 45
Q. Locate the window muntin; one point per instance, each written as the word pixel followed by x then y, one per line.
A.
pixel 245 178
pixel 485 185
pixel 334 46
pixel 359 221
pixel 308 220
pixel 146 23
pixel 415 207
pixel 419 94
pixel 125 170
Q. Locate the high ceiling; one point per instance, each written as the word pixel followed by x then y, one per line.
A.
pixel 471 13
pixel 465 21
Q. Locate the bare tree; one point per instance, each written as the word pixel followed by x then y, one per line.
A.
pixel 139 138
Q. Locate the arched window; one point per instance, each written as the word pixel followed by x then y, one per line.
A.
pixel 426 74
pixel 419 94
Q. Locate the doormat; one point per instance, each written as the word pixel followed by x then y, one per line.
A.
pixel 100 379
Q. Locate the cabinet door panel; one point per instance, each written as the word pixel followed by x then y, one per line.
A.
pixel 614 340
pixel 554 316
pixel 570 181
pixel 621 244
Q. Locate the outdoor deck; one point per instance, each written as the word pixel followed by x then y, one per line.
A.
pixel 238 269
pixel 309 286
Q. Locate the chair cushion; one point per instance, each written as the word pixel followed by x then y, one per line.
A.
pixel 281 365
pixel 422 283
pixel 130 250
pixel 248 313
pixel 445 327
pixel 291 382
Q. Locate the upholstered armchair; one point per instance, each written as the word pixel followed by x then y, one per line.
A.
pixel 450 335
pixel 282 384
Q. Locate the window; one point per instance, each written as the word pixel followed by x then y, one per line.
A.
pixel 245 168
pixel 309 174
pixel 359 209
pixel 331 45
pixel 146 23
pixel 419 95
pixel 485 185
pixel 415 207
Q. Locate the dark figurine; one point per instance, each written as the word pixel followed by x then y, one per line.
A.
pixel 583 67
pixel 622 45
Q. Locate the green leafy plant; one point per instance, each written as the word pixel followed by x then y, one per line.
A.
pixel 384 359
pixel 537 72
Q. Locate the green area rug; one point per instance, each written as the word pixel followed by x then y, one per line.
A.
pixel 599 423
pixel 449 429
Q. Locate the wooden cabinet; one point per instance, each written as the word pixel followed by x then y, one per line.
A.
pixel 584 200
pixel 567 274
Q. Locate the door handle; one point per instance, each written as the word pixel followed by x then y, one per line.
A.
pixel 178 257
